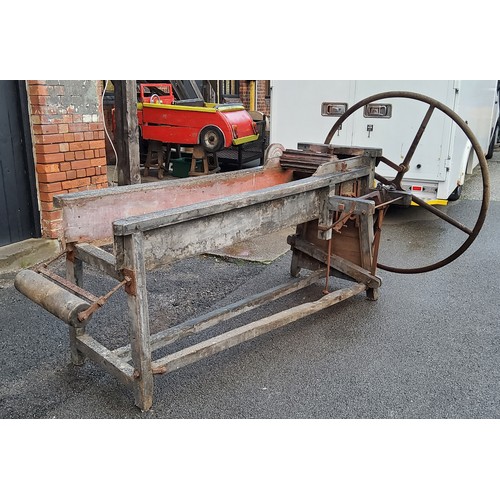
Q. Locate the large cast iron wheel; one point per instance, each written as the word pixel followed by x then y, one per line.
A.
pixel 405 166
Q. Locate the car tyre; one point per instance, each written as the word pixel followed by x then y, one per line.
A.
pixel 212 139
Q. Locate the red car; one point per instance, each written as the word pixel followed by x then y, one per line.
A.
pixel 192 121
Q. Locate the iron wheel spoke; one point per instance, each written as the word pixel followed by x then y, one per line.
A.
pixel 441 215
pixel 391 164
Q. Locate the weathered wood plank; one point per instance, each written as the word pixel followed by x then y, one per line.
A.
pixel 127 132
pixel 139 318
pixel 343 265
pixel 104 357
pixel 354 205
pixel 98 259
pixel 211 232
pixel 366 240
pixel 74 274
pixel 183 213
pixel 247 332
pixel 196 325
pixel 89 215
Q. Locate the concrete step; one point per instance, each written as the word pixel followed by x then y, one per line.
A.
pixel 27 253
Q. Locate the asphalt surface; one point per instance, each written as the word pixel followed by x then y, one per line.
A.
pixel 428 348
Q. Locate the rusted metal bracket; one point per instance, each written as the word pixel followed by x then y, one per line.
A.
pixel 102 300
pixel 131 285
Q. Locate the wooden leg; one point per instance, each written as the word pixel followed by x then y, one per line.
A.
pixel 168 148
pixel 139 315
pixel 74 273
pixel 160 161
pixel 149 158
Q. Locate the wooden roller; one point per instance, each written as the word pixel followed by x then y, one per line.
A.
pixel 52 297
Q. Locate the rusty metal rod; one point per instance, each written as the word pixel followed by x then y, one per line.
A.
pixel 441 215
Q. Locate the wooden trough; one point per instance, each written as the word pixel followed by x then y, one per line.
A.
pixel 326 191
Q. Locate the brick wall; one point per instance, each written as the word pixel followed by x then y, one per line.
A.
pixel 69 142
pixel 262 103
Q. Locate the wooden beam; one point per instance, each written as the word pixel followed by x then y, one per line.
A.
pixel 98 259
pixel 127 132
pixel 247 332
pixel 340 264
pixel 212 318
pixel 104 357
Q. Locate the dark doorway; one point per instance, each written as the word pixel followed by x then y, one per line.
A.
pixel 19 217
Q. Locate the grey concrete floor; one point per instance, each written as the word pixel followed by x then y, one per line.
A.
pixel 429 348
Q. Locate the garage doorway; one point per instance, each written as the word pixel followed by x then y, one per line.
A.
pixel 19 216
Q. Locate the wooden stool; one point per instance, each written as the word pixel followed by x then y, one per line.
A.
pixel 154 147
pixel 199 153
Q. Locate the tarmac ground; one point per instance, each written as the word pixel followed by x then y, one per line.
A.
pixel 429 348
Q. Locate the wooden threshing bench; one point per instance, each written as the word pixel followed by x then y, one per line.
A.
pixel 325 191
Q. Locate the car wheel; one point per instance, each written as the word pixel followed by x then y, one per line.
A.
pixel 212 139
pixel 456 194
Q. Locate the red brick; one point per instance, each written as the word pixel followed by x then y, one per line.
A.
pixel 89 154
pixel 46 206
pixel 49 119
pixel 71 174
pixel 69 137
pixel 47 148
pixel 69 156
pixel 78 127
pixel 45 129
pixel 96 126
pixel 65 166
pixel 49 158
pixel 79 136
pixel 52 216
pixel 81 173
pixel 76 118
pixel 49 138
pixel 47 168
pixel 99 178
pixel 40 100
pixel 50 188
pixel 38 90
pixel 102 152
pixel 89 136
pixel 79 146
pixel 64 147
pixel 47 197
pixel 76 183
pixel 79 155
pixel 98 162
pixel 53 177
pixel 75 165
pixel 63 128
pixel 97 144
pixel 89 172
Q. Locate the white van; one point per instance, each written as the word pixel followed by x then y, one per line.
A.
pixel 305 111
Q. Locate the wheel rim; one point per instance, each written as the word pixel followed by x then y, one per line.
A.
pixel 404 167
pixel 211 140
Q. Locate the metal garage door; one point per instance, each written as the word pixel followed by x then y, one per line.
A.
pixel 19 218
